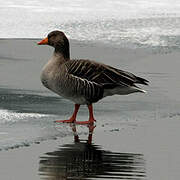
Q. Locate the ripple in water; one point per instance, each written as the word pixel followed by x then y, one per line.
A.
pixel 87 161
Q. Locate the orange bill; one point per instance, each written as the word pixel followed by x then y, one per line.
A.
pixel 43 42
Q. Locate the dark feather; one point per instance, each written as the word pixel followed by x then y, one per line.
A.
pixel 142 81
pixel 104 75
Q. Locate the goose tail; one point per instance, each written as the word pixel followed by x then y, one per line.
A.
pixel 140 80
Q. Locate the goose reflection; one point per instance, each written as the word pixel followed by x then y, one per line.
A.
pixel 84 160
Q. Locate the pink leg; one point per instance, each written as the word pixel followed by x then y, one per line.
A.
pixel 73 117
pixel 91 129
pixel 91 117
pixel 76 137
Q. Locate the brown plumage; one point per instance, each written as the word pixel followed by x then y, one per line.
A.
pixel 83 81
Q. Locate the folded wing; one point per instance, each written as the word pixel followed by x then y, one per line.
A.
pixel 101 74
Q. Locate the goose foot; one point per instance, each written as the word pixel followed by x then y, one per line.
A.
pixel 90 122
pixel 65 121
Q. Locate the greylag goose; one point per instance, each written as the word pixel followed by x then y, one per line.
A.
pixel 83 81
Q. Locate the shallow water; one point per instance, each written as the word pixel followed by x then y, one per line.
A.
pixel 83 161
pixel 145 125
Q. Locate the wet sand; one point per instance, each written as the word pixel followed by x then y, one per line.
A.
pixel 139 131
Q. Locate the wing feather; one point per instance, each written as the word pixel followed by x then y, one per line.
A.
pixel 91 91
pixel 102 74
